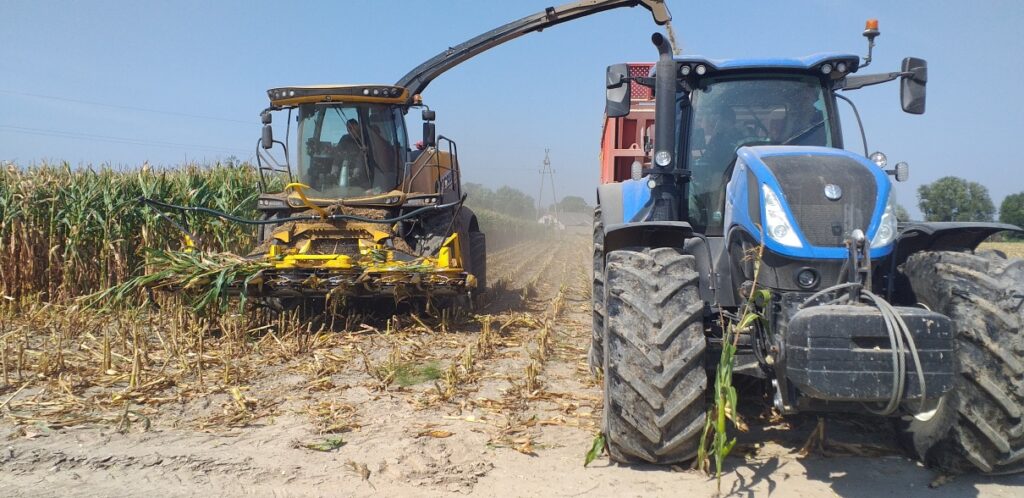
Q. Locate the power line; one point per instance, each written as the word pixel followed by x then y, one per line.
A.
pixel 127 107
pixel 112 139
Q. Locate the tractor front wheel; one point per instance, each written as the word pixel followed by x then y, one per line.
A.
pixel 978 425
pixel 654 378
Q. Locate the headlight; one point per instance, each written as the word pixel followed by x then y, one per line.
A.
pixel 776 220
pixel 662 158
pixel 886 232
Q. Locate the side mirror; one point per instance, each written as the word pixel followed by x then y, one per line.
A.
pixel 268 137
pixel 901 172
pixel 265 117
pixel 428 115
pixel 429 135
pixel 617 93
pixel 912 85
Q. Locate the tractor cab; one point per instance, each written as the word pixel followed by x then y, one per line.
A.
pixel 753 103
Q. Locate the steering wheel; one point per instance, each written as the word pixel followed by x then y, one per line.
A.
pixel 803 133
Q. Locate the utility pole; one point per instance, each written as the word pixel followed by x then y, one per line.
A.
pixel 546 173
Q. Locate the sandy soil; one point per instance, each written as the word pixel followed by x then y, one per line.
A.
pixel 521 412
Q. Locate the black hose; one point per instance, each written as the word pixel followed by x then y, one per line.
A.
pixel 274 221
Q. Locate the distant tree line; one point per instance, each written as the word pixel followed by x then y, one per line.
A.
pixel 505 200
pixel 954 199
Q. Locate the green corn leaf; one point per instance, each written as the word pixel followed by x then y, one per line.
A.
pixel 595 449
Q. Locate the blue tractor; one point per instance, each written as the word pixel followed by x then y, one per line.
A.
pixel 750 187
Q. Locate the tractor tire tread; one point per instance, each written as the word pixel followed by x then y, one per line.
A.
pixel 654 348
pixel 983 294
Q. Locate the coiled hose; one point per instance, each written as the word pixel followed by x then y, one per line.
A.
pixel 900 339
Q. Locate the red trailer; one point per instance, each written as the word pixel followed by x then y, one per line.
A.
pixel 623 139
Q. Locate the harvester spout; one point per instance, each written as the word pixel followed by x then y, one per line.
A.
pixel 421 76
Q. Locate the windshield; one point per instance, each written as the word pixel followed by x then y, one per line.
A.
pixel 350 150
pixel 754 110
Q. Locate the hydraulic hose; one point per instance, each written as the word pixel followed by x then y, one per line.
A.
pixel 274 221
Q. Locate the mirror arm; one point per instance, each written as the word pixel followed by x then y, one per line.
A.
pixel 855 82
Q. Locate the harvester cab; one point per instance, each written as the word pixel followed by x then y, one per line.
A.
pixel 375 216
pixel 747 224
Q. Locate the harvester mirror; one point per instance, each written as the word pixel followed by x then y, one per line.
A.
pixel 912 85
pixel 428 115
pixel 265 117
pixel 268 136
pixel 618 89
pixel 429 135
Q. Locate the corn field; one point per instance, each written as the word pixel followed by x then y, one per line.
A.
pixel 68 232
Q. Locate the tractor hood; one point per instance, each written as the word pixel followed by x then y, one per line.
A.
pixel 810 199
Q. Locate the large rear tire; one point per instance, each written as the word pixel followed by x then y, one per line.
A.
pixel 654 376
pixel 978 425
pixel 595 358
pixel 478 260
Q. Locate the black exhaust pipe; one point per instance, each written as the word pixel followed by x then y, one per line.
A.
pixel 667 190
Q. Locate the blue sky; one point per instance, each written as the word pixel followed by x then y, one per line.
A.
pixel 187 79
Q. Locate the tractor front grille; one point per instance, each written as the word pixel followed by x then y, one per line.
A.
pixel 824 222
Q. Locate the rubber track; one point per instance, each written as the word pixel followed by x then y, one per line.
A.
pixel 984 295
pixel 654 356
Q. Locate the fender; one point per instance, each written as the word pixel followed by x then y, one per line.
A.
pixel 944 236
pixel 624 202
pixel 646 234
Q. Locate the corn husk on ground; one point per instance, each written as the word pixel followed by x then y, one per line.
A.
pixel 202 277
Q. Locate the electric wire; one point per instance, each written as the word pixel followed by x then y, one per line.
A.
pixel 112 139
pixel 126 107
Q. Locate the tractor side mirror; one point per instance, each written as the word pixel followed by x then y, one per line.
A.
pixel 268 137
pixel 429 115
pixel 265 117
pixel 901 172
pixel 912 85
pixel 617 91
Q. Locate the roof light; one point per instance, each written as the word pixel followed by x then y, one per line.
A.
pixel 871 24
pixel 826 68
pixel 366 91
pixel 684 70
pixel 701 69
pixel 841 67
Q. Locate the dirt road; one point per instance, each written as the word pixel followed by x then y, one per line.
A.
pixel 499 404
